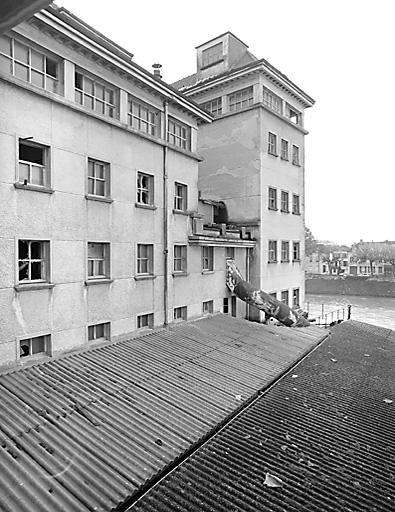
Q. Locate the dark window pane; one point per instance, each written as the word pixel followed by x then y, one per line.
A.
pixel 36 270
pixel 38 345
pixel 32 154
pixel 23 270
pixel 51 68
pixel 35 250
pixel 23 251
pixel 78 81
pixel 24 348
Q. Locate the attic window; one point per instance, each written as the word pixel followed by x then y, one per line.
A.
pixel 212 55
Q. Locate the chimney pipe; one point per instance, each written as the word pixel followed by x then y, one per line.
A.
pixel 157 74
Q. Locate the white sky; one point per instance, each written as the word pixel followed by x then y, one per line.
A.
pixel 341 52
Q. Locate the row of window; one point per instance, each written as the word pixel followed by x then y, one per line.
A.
pixel 34 260
pixel 41 345
pixel 272 149
pixel 284 206
pixel 284 297
pixel 243 98
pixel 285 251
pixel 37 68
pixel 34 169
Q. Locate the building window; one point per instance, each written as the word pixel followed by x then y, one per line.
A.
pixel 295 155
pixel 296 204
pixel 33 346
pixel 180 258
pixel 285 297
pixel 28 64
pixel 272 251
pixel 212 55
pixel 99 332
pixel 296 251
pixel 33 164
pixel 98 260
pixel 225 306
pixel 284 149
pixel 98 178
pixel 179 134
pixel 230 252
pixel 284 252
pixel 145 321
pixel 293 115
pixel 180 313
pixel 296 298
pixel 145 259
pixel 214 106
pixel 33 261
pixel 284 201
pixel 207 259
pixel 180 197
pixel 145 189
pixel 241 99
pixel 208 307
pixel 95 95
pixel 143 117
pixel 272 203
pixel 272 101
pixel 273 295
pixel 272 144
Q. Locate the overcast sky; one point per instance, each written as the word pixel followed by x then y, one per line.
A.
pixel 341 52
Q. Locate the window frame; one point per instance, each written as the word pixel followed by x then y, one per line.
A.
pixel 46 166
pixel 272 251
pixel 106 180
pixel 150 190
pixel 33 355
pixel 230 252
pixel 47 77
pixel 272 144
pixel 285 293
pixel 143 260
pixel 272 198
pixel 106 332
pixel 295 155
pixel 110 106
pixel 293 115
pixel 180 199
pixel 182 259
pixel 44 261
pixel 147 116
pixel 240 99
pixel 296 250
pixel 296 204
pixel 296 293
pixel 213 106
pixel 285 247
pixel 269 99
pixel 284 149
pixel 225 306
pixel 147 319
pixel 284 203
pixel 182 139
pixel 180 314
pixel 208 307
pixel 207 259
pixel 211 55
pixel 106 259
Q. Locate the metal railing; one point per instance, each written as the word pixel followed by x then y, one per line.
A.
pixel 332 317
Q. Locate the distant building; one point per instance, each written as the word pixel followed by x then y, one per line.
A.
pixel 101 229
pixel 254 157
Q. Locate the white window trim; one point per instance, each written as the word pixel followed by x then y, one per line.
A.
pixel 269 145
pixel 48 346
pixel 108 262
pixel 151 191
pixel 48 164
pixel 183 259
pixel 281 149
pixel 151 269
pixel 151 321
pixel 107 184
pixel 107 336
pixel 185 188
pixel 48 256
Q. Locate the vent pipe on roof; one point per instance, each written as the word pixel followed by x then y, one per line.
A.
pixel 157 74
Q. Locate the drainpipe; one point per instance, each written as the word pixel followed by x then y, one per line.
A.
pixel 165 220
pixel 248 279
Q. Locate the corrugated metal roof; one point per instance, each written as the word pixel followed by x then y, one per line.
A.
pixel 326 430
pixel 86 431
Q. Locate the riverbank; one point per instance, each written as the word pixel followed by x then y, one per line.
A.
pixel 350 285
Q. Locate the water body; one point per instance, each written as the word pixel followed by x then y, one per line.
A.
pixel 372 310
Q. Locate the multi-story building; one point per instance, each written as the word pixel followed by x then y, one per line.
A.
pixel 254 156
pixel 100 230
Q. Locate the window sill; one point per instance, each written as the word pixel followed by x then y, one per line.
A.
pixel 145 206
pixel 285 159
pixel 296 213
pixel 181 212
pixel 207 271
pixel 33 286
pixel 180 274
pixel 98 198
pixel 34 188
pixel 284 211
pixel 295 261
pixel 284 261
pixel 145 277
pixel 104 280
pixel 272 209
pixel 272 154
pixel 296 165
pixel 271 262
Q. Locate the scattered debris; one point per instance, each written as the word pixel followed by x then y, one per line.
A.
pixel 294 376
pixel 387 401
pixel 159 442
pixel 272 481
pixel 333 360
pixel 238 397
pixel 367 355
